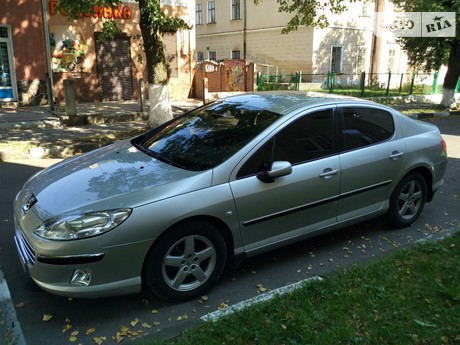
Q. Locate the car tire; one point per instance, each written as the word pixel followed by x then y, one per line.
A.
pixel 185 261
pixel 407 200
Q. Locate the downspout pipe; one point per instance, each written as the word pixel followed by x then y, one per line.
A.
pixel 49 76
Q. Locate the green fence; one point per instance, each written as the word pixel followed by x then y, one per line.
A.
pixel 358 85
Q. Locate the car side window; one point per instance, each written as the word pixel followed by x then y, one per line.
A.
pixel 363 126
pixel 308 138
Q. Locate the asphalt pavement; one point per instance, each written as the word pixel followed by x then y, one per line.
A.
pixel 36 132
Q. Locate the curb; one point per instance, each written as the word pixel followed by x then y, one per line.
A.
pixel 9 324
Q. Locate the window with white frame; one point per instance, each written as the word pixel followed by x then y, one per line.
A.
pixel 236 54
pixel 365 8
pixel 236 10
pixel 391 60
pixel 199 13
pixel 199 56
pixel 336 59
pixel 361 59
pixel 212 55
pixel 211 12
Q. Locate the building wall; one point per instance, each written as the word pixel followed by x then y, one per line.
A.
pixel 259 36
pixel 26 20
pixel 307 50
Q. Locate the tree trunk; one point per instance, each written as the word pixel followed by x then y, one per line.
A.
pixel 157 73
pixel 452 75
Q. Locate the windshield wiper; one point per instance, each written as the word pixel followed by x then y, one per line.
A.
pixel 157 155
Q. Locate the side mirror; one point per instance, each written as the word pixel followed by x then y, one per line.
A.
pixel 278 169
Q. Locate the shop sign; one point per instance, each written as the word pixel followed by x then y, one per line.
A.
pixel 118 12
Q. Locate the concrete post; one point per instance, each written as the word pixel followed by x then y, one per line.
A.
pixel 49 89
pixel 70 97
pixel 205 90
pixel 142 94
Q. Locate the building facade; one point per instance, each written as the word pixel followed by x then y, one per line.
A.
pixel 228 29
pixel 40 48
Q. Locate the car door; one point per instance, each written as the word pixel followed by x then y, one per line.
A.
pixel 370 161
pixel 299 202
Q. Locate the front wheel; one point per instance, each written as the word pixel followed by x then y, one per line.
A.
pixel 407 200
pixel 186 261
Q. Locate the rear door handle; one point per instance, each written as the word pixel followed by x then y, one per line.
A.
pixel 396 155
pixel 329 173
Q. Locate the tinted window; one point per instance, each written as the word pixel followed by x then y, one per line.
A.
pixel 308 138
pixel 365 126
pixel 206 136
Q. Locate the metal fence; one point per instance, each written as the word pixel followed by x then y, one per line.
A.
pixel 358 85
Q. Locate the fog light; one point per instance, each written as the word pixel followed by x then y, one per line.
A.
pixel 81 277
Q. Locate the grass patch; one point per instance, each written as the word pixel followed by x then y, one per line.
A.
pixel 411 297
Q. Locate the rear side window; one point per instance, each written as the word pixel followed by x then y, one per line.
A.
pixel 365 126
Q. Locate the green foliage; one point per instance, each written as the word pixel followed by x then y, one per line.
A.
pixel 157 20
pixel 110 30
pixel 309 12
pixel 429 53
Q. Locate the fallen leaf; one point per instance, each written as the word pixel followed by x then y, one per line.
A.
pixel 134 322
pixel 99 340
pixel 21 304
pixel 119 338
pixel 72 339
pixel 156 323
pixel 204 298
pixel 47 317
pixel 154 311
pixel 74 333
pixel 146 325
pixel 66 328
pixel 90 331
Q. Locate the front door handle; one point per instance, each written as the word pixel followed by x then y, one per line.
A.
pixel 329 173
pixel 396 155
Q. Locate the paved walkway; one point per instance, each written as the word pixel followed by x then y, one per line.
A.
pixel 36 132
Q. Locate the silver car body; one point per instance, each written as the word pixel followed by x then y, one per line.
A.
pixel 253 216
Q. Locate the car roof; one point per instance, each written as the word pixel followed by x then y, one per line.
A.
pixel 284 102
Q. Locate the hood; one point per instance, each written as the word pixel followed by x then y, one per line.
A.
pixel 115 176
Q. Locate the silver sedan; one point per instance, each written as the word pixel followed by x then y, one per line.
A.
pixel 234 178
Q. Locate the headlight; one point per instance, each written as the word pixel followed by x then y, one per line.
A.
pixel 74 227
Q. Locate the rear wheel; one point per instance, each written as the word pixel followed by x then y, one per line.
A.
pixel 407 200
pixel 186 261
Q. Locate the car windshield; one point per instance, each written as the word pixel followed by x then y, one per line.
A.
pixel 205 137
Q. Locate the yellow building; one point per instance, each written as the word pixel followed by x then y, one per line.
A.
pixel 240 29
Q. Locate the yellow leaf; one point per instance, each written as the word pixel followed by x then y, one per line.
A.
pixel 90 331
pixel 134 322
pixel 72 339
pixel 74 333
pixel 47 317
pixel 66 328
pixel 146 325
pixel 99 340
pixel 154 311
pixel 204 298
pixel 179 318
pixel 124 329
pixel 119 338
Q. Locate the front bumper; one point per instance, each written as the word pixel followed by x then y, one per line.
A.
pixel 110 274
